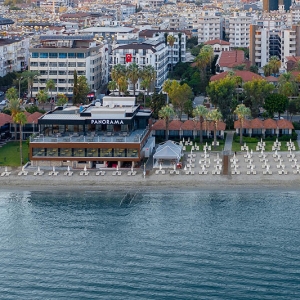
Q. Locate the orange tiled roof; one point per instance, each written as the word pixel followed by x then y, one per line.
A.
pixel 175 125
pixel 270 124
pixel 188 125
pixel 159 125
pixel 246 124
pixel 257 123
pixel 271 79
pixel 33 118
pixel 245 75
pixel 4 119
pixel 285 124
pixel 217 41
pixel 231 58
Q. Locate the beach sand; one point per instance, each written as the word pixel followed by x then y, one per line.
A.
pixel 153 181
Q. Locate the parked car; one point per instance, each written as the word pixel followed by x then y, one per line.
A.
pixel 3 102
pixel 276 118
pixel 1 93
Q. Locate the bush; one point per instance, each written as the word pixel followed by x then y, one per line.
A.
pixel 296 125
pixel 246 139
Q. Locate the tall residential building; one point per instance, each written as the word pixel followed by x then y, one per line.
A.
pixel 269 5
pixel 57 56
pixel 239 29
pixel 208 26
pixel 266 42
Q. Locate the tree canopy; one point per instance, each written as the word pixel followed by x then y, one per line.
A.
pixel 276 103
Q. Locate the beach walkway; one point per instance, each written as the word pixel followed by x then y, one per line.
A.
pixel 228 141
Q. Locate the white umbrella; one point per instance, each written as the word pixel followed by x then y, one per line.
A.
pixel 276 152
pixel 53 169
pixel 117 167
pixel 84 168
pixel 217 156
pixel 183 140
pixel 251 152
pixel 174 167
pixel 39 170
pixel 5 169
pixel 190 169
pixel 68 168
pixel 131 168
pixel 23 168
pixel 160 166
pixel 195 144
pixel 191 151
pixel 184 168
pixel 203 168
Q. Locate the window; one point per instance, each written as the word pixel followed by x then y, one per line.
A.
pixel 62 73
pixel 71 55
pixel 43 55
pixel 52 72
pixel 81 64
pixel 62 55
pixel 62 65
pixel 52 64
pixel 71 72
pixel 72 65
pixel 80 55
pixel 34 64
pixel 61 80
pixel 34 54
pixel 43 64
pixel 52 55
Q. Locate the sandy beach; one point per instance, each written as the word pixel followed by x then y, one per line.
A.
pixel 284 163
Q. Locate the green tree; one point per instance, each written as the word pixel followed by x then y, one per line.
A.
pixel 242 112
pixel 123 84
pixel 275 64
pixel 188 108
pixel 112 86
pixel 148 75
pixel 118 73
pixel 293 107
pixel 61 99
pixel 157 102
pixel 21 119
pixel 42 96
pixel 215 116
pixel 221 94
pixel 287 85
pixel 133 73
pixel 81 90
pixel 254 69
pixel 13 104
pixel 166 112
pixel 167 88
pixel 256 92
pixel 276 103
pixel 30 77
pixel 171 41
pixel 179 95
pixel 50 86
pixel 201 113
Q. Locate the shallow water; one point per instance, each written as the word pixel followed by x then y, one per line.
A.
pixel 159 245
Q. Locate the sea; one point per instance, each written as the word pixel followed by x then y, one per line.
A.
pixel 152 244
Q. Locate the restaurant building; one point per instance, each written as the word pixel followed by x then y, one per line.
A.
pixel 116 133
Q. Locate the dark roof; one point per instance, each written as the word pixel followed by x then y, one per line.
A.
pixel 136 46
pixel 4 21
pixel 245 75
pixel 150 32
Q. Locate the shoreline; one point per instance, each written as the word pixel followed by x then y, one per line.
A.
pixel 154 182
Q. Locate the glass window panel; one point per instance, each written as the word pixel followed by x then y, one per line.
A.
pixel 71 55
pixel 119 152
pixel 106 152
pixel 65 152
pixel 52 64
pixel 72 65
pixel 92 153
pixel 53 55
pixel 38 151
pixel 80 55
pixel 43 55
pixel 52 152
pixel 132 153
pixel 62 55
pixel 35 55
pixel 79 152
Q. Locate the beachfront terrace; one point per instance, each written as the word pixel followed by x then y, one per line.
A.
pixel 135 136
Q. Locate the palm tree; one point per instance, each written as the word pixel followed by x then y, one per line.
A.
pixel 242 112
pixel 123 84
pixel 30 76
pixel 13 104
pixel 21 119
pixel 112 86
pixel 50 86
pixel 148 75
pixel 42 96
pixel 166 112
pixel 133 73
pixel 117 72
pixel 171 41
pixel 267 70
pixel 167 88
pixel 201 112
pixel 287 85
pixel 215 116
pixel 275 64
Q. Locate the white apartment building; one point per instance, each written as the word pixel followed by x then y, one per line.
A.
pixel 208 26
pixel 14 55
pixel 266 42
pixel 239 30
pixel 57 56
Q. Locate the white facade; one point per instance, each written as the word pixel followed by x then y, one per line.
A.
pixel 209 27
pixel 239 30
pixel 14 55
pixel 57 57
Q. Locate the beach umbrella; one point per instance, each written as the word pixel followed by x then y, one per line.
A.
pixel 191 150
pixel 23 168
pixel 84 168
pixel 195 144
pixel 160 166
pixel 190 169
pixel 203 168
pixel 131 168
pixel 39 170
pixel 174 167
pixel 68 168
pixel 276 152
pixel 206 144
pixel 251 152
pixel 184 168
pixel 183 140
pixel 5 169
pixel 53 169
pixel 117 167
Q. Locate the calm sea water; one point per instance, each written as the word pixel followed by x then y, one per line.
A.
pixel 158 245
